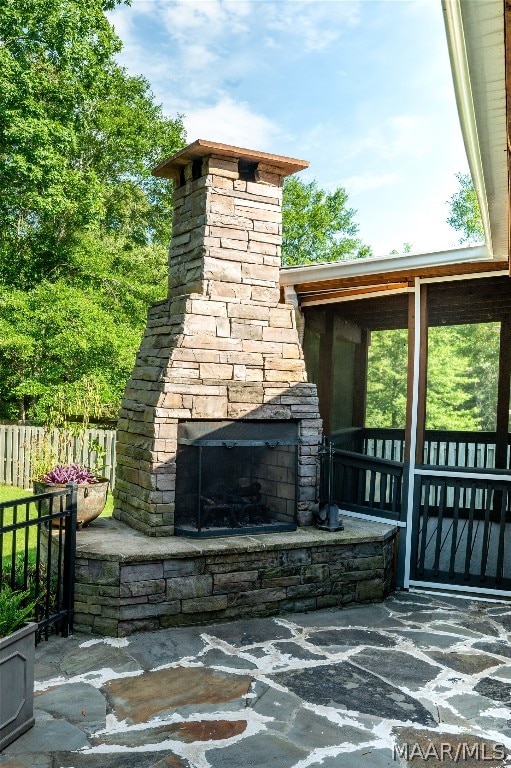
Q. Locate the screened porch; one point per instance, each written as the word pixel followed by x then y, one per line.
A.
pixel 447 488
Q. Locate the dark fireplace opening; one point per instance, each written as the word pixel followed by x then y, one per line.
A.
pixel 236 477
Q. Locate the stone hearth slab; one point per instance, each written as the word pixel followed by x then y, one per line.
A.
pixel 110 539
pixel 126 581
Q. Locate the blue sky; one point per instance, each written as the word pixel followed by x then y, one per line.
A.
pixel 360 88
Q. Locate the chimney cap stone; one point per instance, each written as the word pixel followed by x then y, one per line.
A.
pixel 204 148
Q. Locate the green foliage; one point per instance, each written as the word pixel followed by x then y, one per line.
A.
pixel 480 346
pixel 15 609
pixel 60 343
pixel 449 403
pixel 464 213
pixel 83 225
pixel 317 226
pixel 462 378
pixel 386 380
pixel 405 248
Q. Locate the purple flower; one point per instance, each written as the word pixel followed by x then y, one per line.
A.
pixel 70 473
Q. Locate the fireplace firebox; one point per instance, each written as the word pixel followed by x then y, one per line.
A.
pixel 236 477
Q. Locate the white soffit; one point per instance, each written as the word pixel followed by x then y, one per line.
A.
pixel 311 273
pixel 475 37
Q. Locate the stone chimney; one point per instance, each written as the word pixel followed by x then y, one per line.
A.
pixel 221 346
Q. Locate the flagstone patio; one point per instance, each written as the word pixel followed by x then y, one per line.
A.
pixel 363 687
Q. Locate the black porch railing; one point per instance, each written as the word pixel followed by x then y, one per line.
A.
pixel 362 484
pixel 461 517
pixel 37 555
pixel 461 529
pixel 441 447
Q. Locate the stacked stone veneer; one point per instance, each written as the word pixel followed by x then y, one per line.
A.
pixel 213 580
pixel 221 346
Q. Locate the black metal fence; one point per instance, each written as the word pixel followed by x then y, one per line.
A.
pixel 38 552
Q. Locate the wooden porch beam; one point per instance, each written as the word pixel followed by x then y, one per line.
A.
pixel 423 376
pixel 325 371
pixel 328 297
pixel 409 375
pixel 360 379
pixel 503 393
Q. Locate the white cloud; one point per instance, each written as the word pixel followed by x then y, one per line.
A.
pixel 364 181
pixel 399 136
pixel 316 23
pixel 206 19
pixel 232 122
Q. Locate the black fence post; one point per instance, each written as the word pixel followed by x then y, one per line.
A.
pixel 70 558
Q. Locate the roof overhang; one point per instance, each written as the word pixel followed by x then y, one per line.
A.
pixel 382 264
pixel 475 31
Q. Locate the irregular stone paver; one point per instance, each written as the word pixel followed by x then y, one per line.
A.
pixel 495 690
pixel 470 706
pixel 454 629
pixel 322 690
pixel 350 637
pixel 373 616
pixel 250 632
pixel 397 667
pixel 119 760
pixel 296 651
pixel 499 648
pixel 466 663
pixel 47 734
pixel 82 705
pixel 50 655
pixel 360 758
pixel 201 730
pixel 442 749
pixel 280 706
pixel 152 649
pixel 344 686
pixel 480 625
pixel 503 672
pixel 98 656
pixel 138 699
pixel 312 732
pixel 218 658
pixel 256 752
pixel 430 639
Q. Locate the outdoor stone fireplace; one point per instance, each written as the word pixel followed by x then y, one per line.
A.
pixel 219 430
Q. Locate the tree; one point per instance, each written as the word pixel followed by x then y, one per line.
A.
pixel 386 380
pixel 317 226
pixel 464 213
pixel 450 403
pixel 84 227
pixel 462 377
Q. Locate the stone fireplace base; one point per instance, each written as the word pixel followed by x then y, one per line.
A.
pixel 157 583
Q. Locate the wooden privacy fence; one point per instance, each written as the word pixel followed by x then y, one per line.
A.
pixel 18 443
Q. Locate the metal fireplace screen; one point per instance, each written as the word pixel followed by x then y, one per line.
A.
pixel 236 477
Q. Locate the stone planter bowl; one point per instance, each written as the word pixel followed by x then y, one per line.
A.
pixel 91 499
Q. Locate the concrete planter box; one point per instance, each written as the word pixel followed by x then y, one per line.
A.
pixel 17 655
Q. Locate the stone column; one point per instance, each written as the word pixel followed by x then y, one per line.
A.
pixel 221 346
